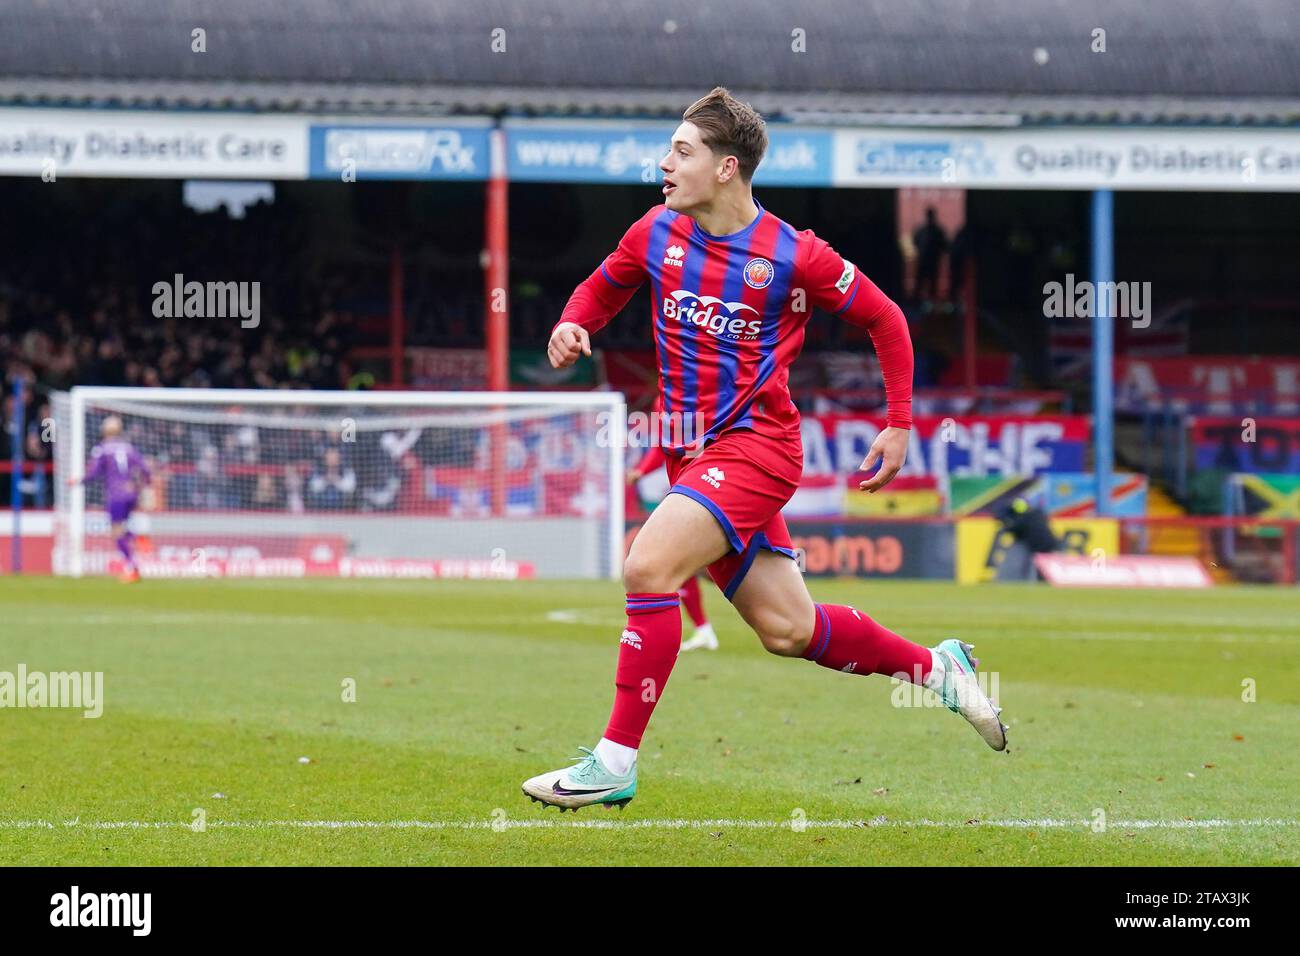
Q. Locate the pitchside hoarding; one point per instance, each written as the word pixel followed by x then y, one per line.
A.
pixel 1071 158
pixel 390 150
pixel 866 549
pixel 148 145
pixel 1122 571
pixel 182 144
pixel 875 549
pixel 982 543
pixel 551 151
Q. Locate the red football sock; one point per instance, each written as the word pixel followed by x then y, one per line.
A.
pixel 845 639
pixel 693 601
pixel 646 655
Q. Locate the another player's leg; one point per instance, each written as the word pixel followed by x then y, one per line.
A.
pixel 680 537
pixel 693 603
pixel 774 600
pixel 118 514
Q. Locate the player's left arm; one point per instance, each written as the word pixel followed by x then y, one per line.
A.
pixel 838 286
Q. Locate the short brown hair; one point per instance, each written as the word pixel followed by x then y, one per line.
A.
pixel 730 126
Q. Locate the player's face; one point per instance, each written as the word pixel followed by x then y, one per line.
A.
pixel 690 171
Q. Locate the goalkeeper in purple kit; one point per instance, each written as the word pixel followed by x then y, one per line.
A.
pixel 117 463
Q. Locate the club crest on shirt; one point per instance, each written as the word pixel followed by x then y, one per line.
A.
pixel 759 273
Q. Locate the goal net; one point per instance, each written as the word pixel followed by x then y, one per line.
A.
pixel 278 483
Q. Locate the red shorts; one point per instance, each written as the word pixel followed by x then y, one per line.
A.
pixel 744 479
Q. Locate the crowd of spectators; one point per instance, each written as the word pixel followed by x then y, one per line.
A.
pixel 78 303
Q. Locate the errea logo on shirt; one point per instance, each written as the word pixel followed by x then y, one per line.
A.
pixel 674 256
pixel 714 476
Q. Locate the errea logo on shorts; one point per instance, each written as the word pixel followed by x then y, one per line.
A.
pixel 674 256
pixel 631 638
pixel 714 476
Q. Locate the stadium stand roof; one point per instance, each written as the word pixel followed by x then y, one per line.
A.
pixel 941 62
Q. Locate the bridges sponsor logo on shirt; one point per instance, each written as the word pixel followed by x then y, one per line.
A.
pixel 718 318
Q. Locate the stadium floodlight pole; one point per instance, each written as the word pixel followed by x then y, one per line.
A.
pixel 16 479
pixel 497 302
pixel 1103 348
pixel 497 265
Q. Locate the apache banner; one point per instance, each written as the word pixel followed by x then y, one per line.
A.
pixel 968 445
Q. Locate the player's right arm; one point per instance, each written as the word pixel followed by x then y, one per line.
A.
pixel 602 295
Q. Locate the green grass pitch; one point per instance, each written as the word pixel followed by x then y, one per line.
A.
pixel 1127 703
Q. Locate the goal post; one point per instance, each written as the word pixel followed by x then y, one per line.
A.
pixel 390 484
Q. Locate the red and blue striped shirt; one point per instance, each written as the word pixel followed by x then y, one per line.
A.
pixel 729 316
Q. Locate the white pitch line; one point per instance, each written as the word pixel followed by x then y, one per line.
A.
pixel 649 824
pixel 590 617
pixel 169 619
pixel 585 617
